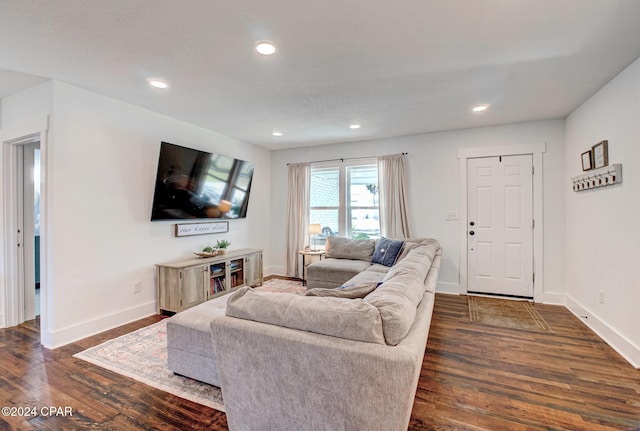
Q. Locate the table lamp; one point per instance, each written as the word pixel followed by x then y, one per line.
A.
pixel 314 229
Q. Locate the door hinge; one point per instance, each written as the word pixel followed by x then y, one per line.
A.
pixel 533 277
pixel 533 225
pixel 533 170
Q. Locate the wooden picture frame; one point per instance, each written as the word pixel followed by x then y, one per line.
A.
pixel 600 155
pixel 587 160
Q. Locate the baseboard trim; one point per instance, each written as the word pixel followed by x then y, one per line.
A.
pixel 449 288
pixel 554 298
pixel 64 336
pixel 274 270
pixel 626 349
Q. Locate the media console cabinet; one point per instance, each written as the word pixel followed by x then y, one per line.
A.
pixel 183 284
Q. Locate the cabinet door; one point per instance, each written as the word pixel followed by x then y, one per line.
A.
pixel 253 269
pixel 193 280
pixel 217 278
pixel 237 272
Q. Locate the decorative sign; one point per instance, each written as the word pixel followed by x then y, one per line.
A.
pixel 189 229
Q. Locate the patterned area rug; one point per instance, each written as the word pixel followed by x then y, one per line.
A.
pixel 142 356
pixel 506 313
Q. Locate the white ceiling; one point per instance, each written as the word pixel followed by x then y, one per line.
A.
pixel 396 67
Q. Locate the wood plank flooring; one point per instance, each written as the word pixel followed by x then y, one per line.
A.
pixel 474 377
pixel 479 377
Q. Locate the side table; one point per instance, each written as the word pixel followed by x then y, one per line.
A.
pixel 311 253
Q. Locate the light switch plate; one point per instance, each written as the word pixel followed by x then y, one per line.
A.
pixel 452 215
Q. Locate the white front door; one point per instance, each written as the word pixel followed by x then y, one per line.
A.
pixel 500 225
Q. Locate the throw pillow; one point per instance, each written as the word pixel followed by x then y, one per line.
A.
pixel 386 251
pixel 350 291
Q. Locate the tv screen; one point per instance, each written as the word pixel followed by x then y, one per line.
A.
pixel 196 184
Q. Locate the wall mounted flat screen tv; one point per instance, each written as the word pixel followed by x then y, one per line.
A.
pixel 192 184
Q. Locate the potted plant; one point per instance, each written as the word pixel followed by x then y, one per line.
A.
pixel 222 245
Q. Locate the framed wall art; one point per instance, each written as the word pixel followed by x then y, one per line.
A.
pixel 600 154
pixel 587 161
pixel 189 229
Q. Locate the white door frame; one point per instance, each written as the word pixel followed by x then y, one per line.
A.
pixel 12 284
pixel 536 150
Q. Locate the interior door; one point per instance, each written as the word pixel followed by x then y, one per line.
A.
pixel 500 225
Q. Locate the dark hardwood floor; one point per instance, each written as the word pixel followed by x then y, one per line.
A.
pixel 478 377
pixel 474 377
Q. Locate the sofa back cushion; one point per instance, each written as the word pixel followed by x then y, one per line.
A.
pixel 398 297
pixel 346 248
pixel 417 260
pixel 352 319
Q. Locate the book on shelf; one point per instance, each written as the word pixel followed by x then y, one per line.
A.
pixel 217 269
pixel 217 285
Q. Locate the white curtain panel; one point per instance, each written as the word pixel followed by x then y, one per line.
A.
pixel 297 214
pixel 394 196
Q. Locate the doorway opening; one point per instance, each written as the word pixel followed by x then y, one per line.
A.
pixel 22 230
pixel 31 198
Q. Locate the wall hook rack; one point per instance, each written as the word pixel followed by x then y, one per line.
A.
pixel 595 178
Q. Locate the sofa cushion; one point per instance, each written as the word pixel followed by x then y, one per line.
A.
pixel 366 276
pixel 352 319
pixel 401 292
pixel 345 248
pixel 386 251
pixel 376 267
pixel 417 261
pixel 348 290
pixel 335 271
pixel 409 244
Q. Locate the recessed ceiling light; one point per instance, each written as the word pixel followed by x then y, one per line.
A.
pixel 157 83
pixel 354 126
pixel 265 48
pixel 277 133
pixel 481 108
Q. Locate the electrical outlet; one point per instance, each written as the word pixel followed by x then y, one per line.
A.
pixel 452 215
pixel 601 296
pixel 137 287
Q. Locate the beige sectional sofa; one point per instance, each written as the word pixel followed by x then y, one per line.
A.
pixel 338 359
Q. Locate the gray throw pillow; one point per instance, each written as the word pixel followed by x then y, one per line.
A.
pixel 350 291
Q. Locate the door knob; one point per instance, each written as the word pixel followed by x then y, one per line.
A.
pixel 471 223
pixel 472 233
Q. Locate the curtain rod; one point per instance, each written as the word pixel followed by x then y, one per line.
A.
pixel 342 159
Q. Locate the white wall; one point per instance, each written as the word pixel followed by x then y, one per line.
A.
pixel 435 189
pixel 102 171
pixel 603 236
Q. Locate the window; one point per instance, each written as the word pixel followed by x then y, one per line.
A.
pixel 344 200
pixel 228 179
